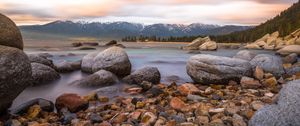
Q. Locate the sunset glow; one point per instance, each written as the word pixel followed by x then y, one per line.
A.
pixel 243 12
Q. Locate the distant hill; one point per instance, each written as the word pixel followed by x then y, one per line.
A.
pixel 286 22
pixel 119 30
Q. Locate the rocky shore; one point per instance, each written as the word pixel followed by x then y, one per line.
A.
pixel 247 89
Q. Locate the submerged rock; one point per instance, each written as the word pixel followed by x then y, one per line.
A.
pixel 269 64
pixel 15 75
pixel 43 74
pixel 209 69
pixel 245 55
pixel 10 34
pixel 285 112
pixel 35 58
pixel 72 102
pixel 65 66
pixel 100 78
pixel 45 105
pixel 150 74
pixel 113 59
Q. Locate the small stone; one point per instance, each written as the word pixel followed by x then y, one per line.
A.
pixel 187 124
pixel 195 98
pixel 83 123
pixel 95 118
pixel 202 120
pixel 187 88
pixel 250 83
pixel 148 118
pixel 248 113
pixel 269 94
pixel 161 121
pixel 216 110
pixel 146 85
pixel 259 73
pixel 140 104
pixel 287 66
pixel 134 90
pixel 33 111
pixel 91 97
pixel 208 91
pixel 238 120
pixel 13 122
pixel 268 75
pixel 103 99
pixel 177 103
pixel 135 114
pixel 270 82
pixel 105 123
pixel 119 118
pixel 72 102
pixel 256 105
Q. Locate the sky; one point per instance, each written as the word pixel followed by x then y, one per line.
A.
pixel 222 12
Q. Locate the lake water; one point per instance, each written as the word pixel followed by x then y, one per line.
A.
pixel 170 62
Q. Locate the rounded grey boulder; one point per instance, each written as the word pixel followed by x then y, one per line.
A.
pixel 43 74
pixel 10 34
pixel 15 75
pixel 35 58
pixel 209 69
pixel 65 66
pixel 285 112
pixel 270 64
pixel 245 55
pixel 113 59
pixel 150 74
pixel 100 78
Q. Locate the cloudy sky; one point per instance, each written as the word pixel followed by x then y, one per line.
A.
pixel 242 12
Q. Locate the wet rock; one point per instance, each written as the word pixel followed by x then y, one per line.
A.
pixel 245 55
pixel 256 105
pixel 178 118
pixel 292 71
pixel 64 66
pixel 72 102
pixel 154 91
pixel 292 58
pixel 45 105
pixel 108 91
pixel 68 117
pixel 103 99
pixel 100 78
pixel 285 112
pixel 113 59
pixel 268 63
pixel 112 42
pixel 146 85
pixel 202 120
pixel 105 123
pixel 134 90
pixel 250 83
pixel 258 73
pixel 238 120
pixel 150 74
pixel 15 74
pixel 148 118
pixel 35 58
pixel 33 111
pixel 195 97
pixel 119 118
pixel 209 69
pixel 177 103
pixel 216 110
pixel 13 122
pixel 43 74
pixel 270 82
pixel 95 118
pixel 10 34
pixel 187 88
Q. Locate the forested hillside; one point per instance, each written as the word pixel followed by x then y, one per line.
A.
pixel 286 22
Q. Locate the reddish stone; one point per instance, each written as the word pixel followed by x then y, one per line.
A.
pixel 72 102
pixel 187 88
pixel 177 103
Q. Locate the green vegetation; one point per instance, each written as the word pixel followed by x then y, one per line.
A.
pixel 286 22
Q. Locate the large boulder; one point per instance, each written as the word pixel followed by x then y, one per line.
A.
pixel 290 49
pixel 65 66
pixel 10 34
pixel 113 59
pixel 245 55
pixel 100 78
pixel 150 74
pixel 270 64
pixel 209 69
pixel 285 112
pixel 209 45
pixel 15 75
pixel 194 45
pixel 43 74
pixel 35 58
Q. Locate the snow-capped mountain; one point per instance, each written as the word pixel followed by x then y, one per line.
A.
pixel 122 29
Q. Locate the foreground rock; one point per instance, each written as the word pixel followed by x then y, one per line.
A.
pixel 100 78
pixel 72 102
pixel 245 55
pixel 285 112
pixel 270 64
pixel 35 58
pixel 43 74
pixel 194 45
pixel 45 105
pixel 113 59
pixel 209 69
pixel 150 74
pixel 10 34
pixel 290 49
pixel 15 74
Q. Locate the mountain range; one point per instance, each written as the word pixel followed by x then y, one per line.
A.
pixel 122 29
